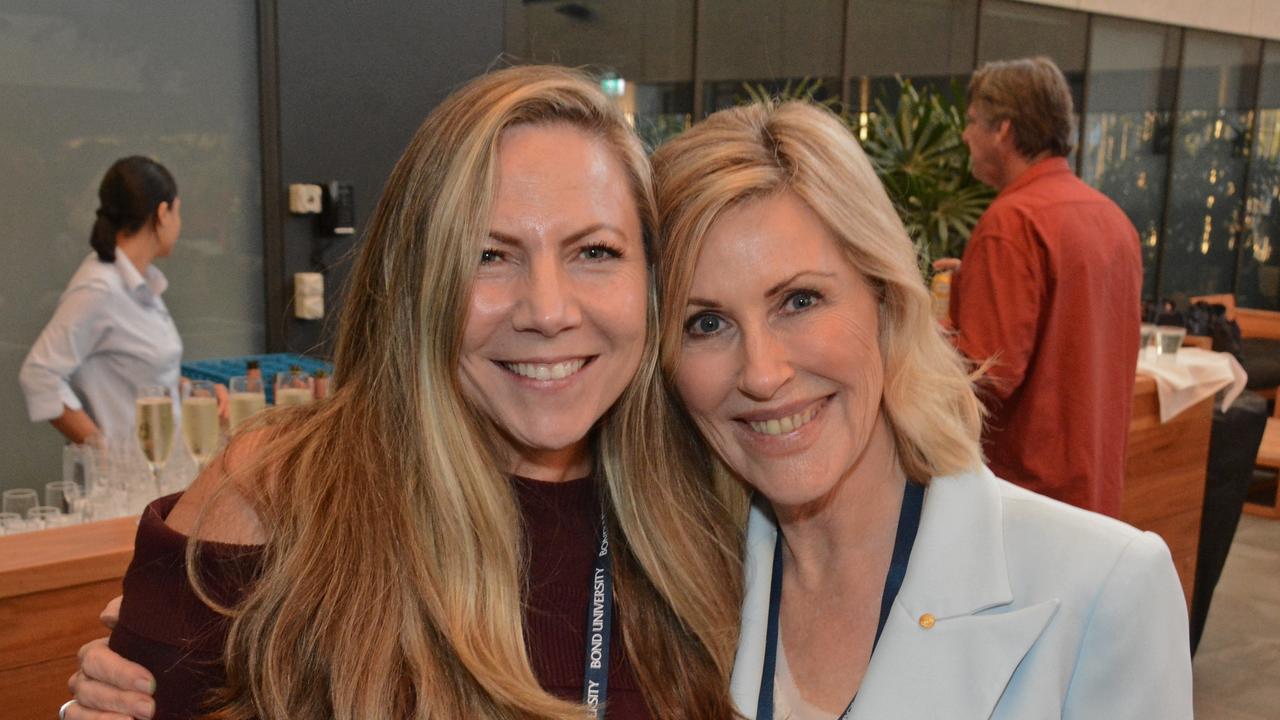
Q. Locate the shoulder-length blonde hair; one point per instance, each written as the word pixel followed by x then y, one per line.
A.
pixel 393 568
pixel 754 151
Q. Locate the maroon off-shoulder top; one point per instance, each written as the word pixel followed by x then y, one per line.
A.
pixel 167 629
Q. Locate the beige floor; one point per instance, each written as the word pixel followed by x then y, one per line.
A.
pixel 1237 669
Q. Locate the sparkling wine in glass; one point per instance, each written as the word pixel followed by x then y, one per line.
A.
pixel 294 387
pixel 155 425
pixel 248 396
pixel 200 428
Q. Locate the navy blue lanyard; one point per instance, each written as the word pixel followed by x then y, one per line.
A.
pixel 908 523
pixel 595 680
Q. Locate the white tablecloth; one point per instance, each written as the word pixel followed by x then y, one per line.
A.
pixel 1191 376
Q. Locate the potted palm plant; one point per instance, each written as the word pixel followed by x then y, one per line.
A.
pixel 918 153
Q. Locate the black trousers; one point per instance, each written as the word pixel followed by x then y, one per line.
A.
pixel 1233 448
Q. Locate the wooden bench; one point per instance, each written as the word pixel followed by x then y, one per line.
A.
pixel 1268 458
pixel 1263 324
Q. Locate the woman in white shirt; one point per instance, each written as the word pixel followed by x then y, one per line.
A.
pixel 111 332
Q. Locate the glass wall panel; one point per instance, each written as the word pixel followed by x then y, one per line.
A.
pixel 1259 282
pixel 1133 73
pixel 1211 148
pixel 85 83
pixel 1009 30
pixel 930 42
pixel 643 53
pixel 771 43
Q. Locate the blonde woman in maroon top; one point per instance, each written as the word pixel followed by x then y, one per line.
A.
pixel 373 553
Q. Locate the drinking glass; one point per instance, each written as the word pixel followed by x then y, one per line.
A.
pixel 200 428
pixel 11 523
pixel 248 396
pixel 155 426
pixel 63 494
pixel 20 501
pixel 130 483
pixel 44 516
pixel 1148 338
pixel 107 487
pixel 294 387
pixel 1168 339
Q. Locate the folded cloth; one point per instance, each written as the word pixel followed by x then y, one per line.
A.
pixel 1184 379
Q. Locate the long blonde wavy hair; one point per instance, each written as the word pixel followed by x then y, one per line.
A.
pixel 758 150
pixel 393 569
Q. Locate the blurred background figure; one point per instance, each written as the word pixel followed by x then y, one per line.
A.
pixel 1048 294
pixel 111 333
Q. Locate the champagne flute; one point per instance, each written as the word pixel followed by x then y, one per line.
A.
pixel 64 495
pixel 294 387
pixel 200 420
pixel 248 396
pixel 155 426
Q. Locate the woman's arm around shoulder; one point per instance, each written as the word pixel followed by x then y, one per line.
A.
pixel 1135 655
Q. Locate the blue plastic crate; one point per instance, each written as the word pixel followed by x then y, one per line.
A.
pixel 221 370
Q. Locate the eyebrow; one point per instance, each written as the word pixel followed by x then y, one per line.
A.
pixel 782 285
pixel 779 287
pixel 566 240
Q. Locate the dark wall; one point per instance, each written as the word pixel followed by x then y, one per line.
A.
pixel 354 82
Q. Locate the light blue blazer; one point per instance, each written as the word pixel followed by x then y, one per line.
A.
pixel 1042 611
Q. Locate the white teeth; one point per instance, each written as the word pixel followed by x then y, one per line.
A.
pixel 787 424
pixel 545 371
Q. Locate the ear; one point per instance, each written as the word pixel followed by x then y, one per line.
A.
pixel 1004 133
pixel 166 211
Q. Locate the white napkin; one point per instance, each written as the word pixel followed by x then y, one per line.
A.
pixel 1191 376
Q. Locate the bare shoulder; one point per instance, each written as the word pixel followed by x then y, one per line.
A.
pixel 217 506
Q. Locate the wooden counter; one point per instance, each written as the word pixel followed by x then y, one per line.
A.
pixel 53 584
pixel 1165 473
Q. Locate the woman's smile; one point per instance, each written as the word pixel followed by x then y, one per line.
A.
pixel 781 365
pixel 540 373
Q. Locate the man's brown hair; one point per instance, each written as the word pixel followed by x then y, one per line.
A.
pixel 1033 95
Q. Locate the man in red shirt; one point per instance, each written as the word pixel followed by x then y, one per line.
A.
pixel 1048 295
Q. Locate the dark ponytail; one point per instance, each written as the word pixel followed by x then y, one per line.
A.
pixel 128 197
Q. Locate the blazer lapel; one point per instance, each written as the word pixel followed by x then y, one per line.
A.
pixel 957 670
pixel 762 536
pixel 959 666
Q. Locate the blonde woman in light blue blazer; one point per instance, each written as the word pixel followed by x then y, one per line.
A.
pixel 888 573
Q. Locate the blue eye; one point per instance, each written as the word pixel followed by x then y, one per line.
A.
pixel 801 300
pixel 702 325
pixel 599 252
pixel 490 256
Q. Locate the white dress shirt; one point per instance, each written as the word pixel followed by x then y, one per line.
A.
pixel 110 335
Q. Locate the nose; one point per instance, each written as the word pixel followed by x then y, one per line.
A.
pixel 766 365
pixel 549 304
